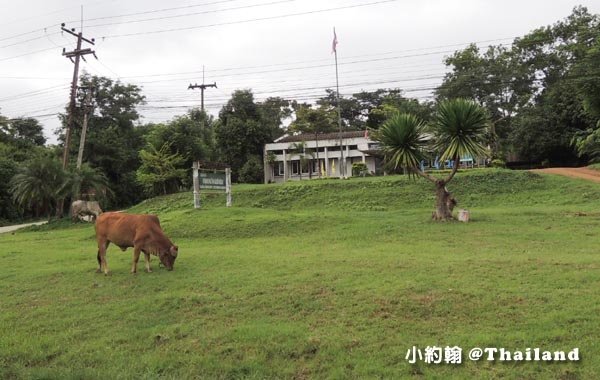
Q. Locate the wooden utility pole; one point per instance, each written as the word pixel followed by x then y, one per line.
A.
pixel 202 87
pixel 77 54
pixel 88 108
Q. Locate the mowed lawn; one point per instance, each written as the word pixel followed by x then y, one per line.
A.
pixel 320 279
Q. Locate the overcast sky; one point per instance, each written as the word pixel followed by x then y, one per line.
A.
pixel 275 47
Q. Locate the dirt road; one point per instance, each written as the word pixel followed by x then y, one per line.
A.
pixel 17 226
pixel 584 173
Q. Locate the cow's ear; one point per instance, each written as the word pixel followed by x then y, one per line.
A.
pixel 174 250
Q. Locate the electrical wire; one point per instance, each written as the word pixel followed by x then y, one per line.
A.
pixel 191 14
pixel 288 15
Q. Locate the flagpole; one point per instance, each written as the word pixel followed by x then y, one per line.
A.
pixel 337 93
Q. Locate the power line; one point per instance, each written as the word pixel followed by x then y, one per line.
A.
pixel 156 11
pixel 250 20
pixel 25 41
pixel 191 14
pixel 324 60
pixel 28 33
pixel 30 93
pixel 26 54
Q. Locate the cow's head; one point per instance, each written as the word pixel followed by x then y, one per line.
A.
pixel 167 257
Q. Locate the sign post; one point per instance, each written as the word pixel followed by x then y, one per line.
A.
pixel 228 186
pixel 195 167
pixel 211 179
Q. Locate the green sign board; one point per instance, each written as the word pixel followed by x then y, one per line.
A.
pixel 212 181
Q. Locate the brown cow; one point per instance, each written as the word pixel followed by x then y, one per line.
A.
pixel 142 232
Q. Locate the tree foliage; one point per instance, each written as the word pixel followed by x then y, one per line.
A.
pixel 540 92
pixel 113 139
pixel 36 185
pixel 244 127
pixel 85 183
pixel 161 171
pixel 457 131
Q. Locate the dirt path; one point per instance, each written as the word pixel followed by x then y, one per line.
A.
pixel 17 226
pixel 584 173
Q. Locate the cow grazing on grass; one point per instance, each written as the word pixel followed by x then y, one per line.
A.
pixel 142 232
pixel 83 208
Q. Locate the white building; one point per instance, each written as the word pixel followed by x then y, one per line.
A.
pixel 282 163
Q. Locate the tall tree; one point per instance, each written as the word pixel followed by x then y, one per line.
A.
pixel 552 53
pixel 273 111
pixel 350 110
pixel 190 135
pixel 23 132
pixel 458 130
pixel 161 171
pixel 240 132
pixel 114 137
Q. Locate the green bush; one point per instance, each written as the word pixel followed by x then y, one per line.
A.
pixel 498 163
pixel 252 171
pixel 359 169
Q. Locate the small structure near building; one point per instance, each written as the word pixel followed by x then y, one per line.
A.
pixel 283 162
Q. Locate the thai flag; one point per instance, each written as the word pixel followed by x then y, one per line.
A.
pixel 334 43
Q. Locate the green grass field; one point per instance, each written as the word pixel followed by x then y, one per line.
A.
pixel 321 279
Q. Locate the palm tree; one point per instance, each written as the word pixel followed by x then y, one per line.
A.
pixel 458 130
pixel 36 185
pixel 86 180
pixel 304 155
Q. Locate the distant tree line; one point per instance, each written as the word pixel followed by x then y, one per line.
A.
pixel 542 95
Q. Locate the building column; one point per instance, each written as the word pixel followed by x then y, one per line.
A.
pixel 268 173
pixel 285 167
pixel 326 162
pixel 347 173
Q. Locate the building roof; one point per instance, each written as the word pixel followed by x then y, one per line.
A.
pixel 322 136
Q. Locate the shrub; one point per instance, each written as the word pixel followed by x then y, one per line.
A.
pixel 359 169
pixel 498 163
pixel 252 171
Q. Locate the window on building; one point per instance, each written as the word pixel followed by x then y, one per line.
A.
pixel 296 167
pixel 306 167
pixel 318 165
pixel 278 169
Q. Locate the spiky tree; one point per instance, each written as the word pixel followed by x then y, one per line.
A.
pixel 36 185
pixel 86 180
pixel 458 130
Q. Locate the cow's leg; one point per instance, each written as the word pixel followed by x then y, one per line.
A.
pixel 103 266
pixel 136 257
pixel 147 257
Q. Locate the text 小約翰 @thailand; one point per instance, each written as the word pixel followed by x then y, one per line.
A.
pixel 454 355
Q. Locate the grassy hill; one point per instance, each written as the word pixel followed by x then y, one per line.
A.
pixel 327 278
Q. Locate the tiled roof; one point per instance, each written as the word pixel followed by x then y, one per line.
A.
pixel 322 136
